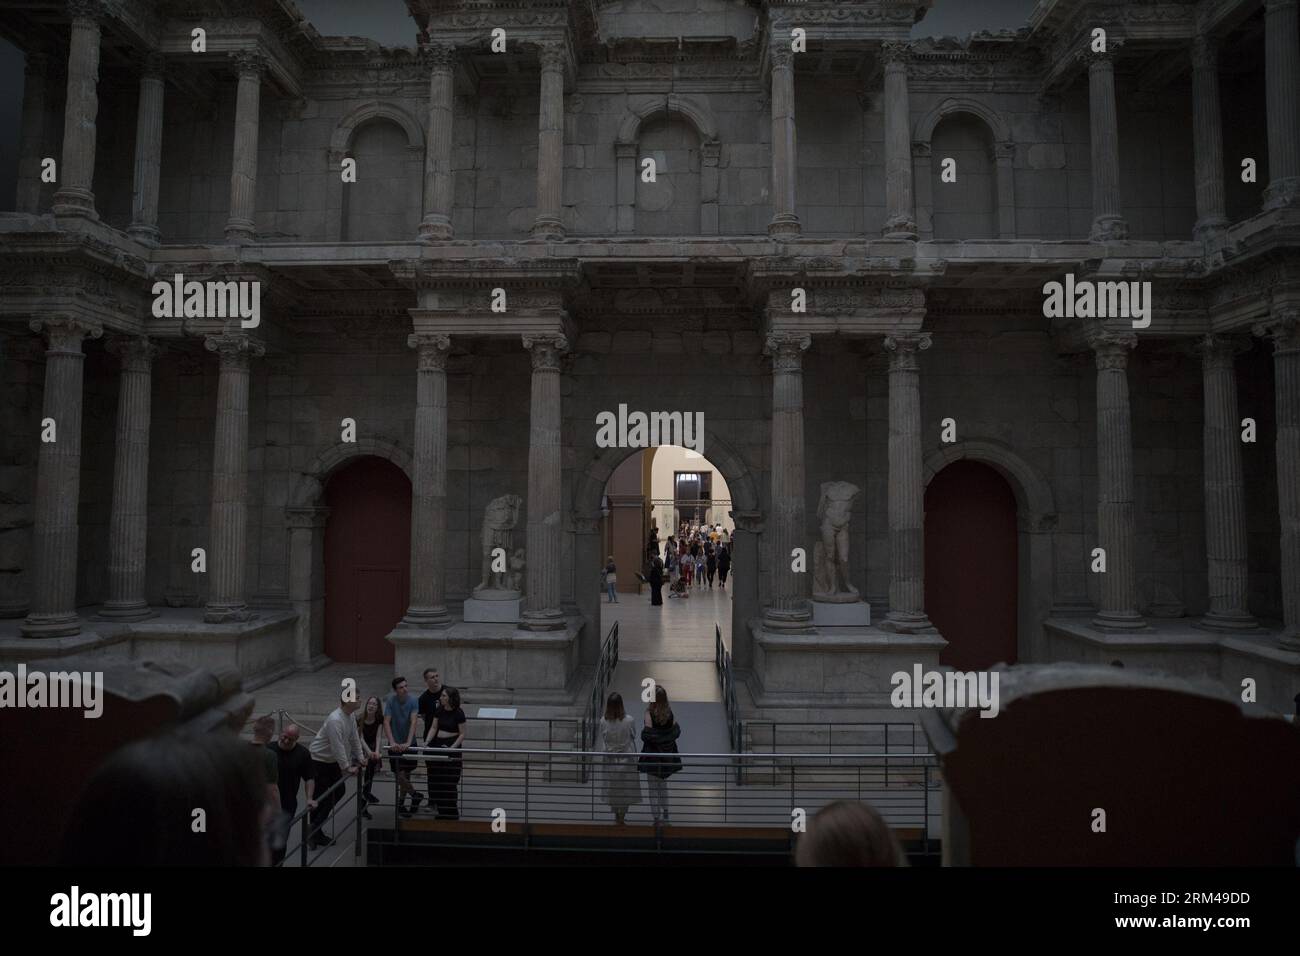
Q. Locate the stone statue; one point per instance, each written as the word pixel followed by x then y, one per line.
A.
pixel 517 565
pixel 831 581
pixel 499 520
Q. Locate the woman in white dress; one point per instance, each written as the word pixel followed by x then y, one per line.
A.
pixel 620 780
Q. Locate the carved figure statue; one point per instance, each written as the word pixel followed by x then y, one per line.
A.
pixel 499 519
pixel 831 580
pixel 517 565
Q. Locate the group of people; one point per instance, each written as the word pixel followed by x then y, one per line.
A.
pixel 620 781
pixel 352 741
pixel 693 559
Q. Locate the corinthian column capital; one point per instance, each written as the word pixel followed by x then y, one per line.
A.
pixel 546 351
pixel 1283 328
pixel 895 53
pixel 1097 59
pixel 136 352
pixel 96 10
pixel 64 333
pixel 249 62
pixel 1112 347
pixel 786 350
pixel 552 56
pixel 432 350
pixel 438 57
pixel 234 349
pixel 1205 52
pixel 904 348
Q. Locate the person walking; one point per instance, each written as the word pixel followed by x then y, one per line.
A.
pixel 609 577
pixel 448 734
pixel 656 582
pixel 620 785
pixel 710 564
pixel 724 565
pixel 294 767
pixel 659 737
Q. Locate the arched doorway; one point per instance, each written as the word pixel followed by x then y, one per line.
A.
pixel 367 559
pixel 972 565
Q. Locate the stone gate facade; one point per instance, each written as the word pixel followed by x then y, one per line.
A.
pixel 380 198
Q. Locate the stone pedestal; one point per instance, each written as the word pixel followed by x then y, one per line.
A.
pixel 497 663
pixel 846 667
pixel 492 612
pixel 840 614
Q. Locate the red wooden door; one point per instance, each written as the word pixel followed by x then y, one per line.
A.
pixel 367 559
pixel 972 565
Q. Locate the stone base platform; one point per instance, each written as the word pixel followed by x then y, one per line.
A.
pixel 492 612
pixel 497 663
pixel 839 667
pixel 1180 647
pixel 841 614
pixel 260 650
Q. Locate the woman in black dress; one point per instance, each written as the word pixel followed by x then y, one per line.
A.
pixel 447 733
pixel 370 721
pixel 659 736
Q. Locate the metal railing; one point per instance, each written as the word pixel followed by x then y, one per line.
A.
pixel 743 790
pixel 722 661
pixel 307 832
pixel 604 674
pixel 829 737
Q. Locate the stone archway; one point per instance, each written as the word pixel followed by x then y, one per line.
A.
pixel 305 517
pixel 1035 524
pixel 584 508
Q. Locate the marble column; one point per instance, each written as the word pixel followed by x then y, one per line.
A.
pixel 1116 520
pixel 1225 498
pixel 788 608
pixel 129 522
pixel 900 223
pixel 441 60
pixel 1108 221
pixel 249 64
pixel 1283 327
pixel 307 581
pixel 31 149
pixel 906 486
pixel 228 528
pixel 550 143
pixel 1207 127
pixel 58 481
pixel 76 196
pixel 429 484
pixel 1282 73
pixel 148 152
pixel 542 602
pixel 785 221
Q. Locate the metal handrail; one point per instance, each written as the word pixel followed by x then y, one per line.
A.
pixel 722 661
pixel 604 673
pixel 309 832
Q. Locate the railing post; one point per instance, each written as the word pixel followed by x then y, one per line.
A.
pixel 302 850
pixel 361 776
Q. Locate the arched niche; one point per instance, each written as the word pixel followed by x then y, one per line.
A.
pixel 341 143
pixel 627 150
pixel 1003 159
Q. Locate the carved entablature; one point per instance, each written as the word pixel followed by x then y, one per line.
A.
pixel 1241 295
pixel 352 73
pixel 980 61
pixel 878 20
pixel 848 306
pixel 81 275
pixel 490 296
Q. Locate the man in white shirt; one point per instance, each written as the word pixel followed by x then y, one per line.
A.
pixel 335 751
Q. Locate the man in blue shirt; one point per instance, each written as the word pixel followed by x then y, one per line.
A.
pixel 399 722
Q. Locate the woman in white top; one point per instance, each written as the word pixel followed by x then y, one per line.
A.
pixel 620 783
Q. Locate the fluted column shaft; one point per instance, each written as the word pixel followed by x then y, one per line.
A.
pixel 550 144
pixel 1282 74
pixel 32 146
pixel 76 196
pixel 1116 520
pixel 148 152
pixel 129 522
pixel 542 602
pixel 1225 499
pixel 227 534
pixel 900 223
pixel 1207 127
pixel 429 485
pixel 437 162
pixel 243 167
pixel 58 482
pixel 1108 220
pixel 906 486
pixel 789 608
pixel 785 220
pixel 1284 329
